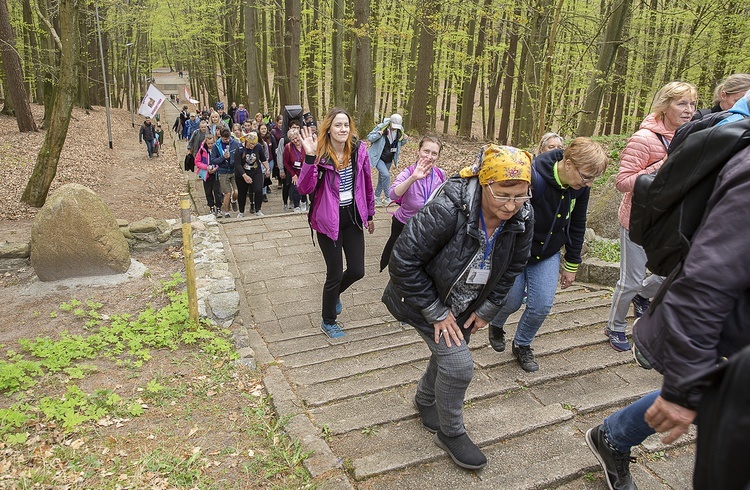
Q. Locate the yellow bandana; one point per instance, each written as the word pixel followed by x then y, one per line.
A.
pixel 499 163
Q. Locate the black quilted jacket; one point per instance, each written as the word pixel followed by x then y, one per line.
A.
pixel 438 244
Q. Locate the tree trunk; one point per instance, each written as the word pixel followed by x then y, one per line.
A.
pixel 294 19
pixel 44 171
pixel 337 53
pixel 311 79
pixel 595 92
pixel 421 110
pixel 14 73
pixel 251 60
pixel 470 85
pixel 280 74
pixel 365 89
pixel 509 65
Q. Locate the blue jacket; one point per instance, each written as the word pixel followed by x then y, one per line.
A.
pixel 739 111
pixel 217 155
pixel 379 140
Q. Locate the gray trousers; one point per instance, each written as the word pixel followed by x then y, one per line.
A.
pixel 632 281
pixel 445 381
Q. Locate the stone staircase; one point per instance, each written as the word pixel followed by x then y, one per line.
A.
pixel 349 400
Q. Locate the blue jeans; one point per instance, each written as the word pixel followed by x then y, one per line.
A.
pixel 149 147
pixel 384 178
pixel 539 281
pixel 627 428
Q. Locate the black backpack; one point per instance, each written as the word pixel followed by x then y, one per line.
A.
pixel 669 205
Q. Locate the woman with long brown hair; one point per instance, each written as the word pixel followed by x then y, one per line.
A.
pixel 337 175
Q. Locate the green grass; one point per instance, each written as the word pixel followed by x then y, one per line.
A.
pixel 606 250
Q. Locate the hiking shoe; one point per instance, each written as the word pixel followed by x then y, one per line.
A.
pixel 234 205
pixel 462 450
pixel 616 465
pixel 339 306
pixel 525 356
pixel 497 338
pixel 332 330
pixel 429 416
pixel 618 340
pixel 640 305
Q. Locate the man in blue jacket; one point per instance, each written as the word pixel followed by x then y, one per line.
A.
pixel 222 155
pixel 387 139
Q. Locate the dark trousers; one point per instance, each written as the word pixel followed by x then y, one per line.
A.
pixel 396 228
pixel 254 190
pixel 352 242
pixel 211 188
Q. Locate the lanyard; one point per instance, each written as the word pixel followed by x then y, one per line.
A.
pixel 489 241
pixel 427 193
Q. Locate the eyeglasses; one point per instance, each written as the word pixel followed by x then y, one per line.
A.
pixel 502 200
pixel 585 178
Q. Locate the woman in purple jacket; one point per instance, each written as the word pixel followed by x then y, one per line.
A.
pixel 337 175
pixel 413 188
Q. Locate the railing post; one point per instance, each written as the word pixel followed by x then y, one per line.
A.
pixel 187 250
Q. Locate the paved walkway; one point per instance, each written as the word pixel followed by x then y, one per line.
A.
pixel 350 400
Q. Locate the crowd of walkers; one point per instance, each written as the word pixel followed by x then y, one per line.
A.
pixel 467 251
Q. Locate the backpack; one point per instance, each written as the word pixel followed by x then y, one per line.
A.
pixel 668 205
pixel 723 425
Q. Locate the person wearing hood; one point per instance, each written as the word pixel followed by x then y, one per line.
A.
pixel 560 195
pixel 450 272
pixel 387 139
pixel 336 172
pixel 644 153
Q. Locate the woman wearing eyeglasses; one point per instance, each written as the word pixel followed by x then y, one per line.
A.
pixel 561 184
pixel 450 271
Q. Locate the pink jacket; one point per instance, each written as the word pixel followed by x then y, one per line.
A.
pixel 644 154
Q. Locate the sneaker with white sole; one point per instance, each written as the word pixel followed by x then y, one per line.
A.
pixel 616 465
pixel 297 209
pixel 260 213
pixel 332 330
pixel 618 340
pixel 240 215
pixel 226 215
pixel 303 206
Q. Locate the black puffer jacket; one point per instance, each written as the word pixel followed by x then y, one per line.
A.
pixel 438 244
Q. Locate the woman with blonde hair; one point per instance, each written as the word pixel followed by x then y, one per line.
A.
pixel 726 94
pixel 336 172
pixel 550 141
pixel 644 153
pixel 561 186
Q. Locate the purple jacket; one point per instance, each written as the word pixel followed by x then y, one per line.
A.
pixel 240 115
pixel 325 213
pixel 417 194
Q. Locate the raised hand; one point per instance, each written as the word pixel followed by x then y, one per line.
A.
pixel 309 140
pixel 422 169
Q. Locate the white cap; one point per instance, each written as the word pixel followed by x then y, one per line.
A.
pixel 395 122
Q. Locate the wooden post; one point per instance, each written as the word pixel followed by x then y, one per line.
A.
pixel 187 250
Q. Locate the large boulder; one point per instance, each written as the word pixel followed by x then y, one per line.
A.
pixel 76 235
pixel 602 216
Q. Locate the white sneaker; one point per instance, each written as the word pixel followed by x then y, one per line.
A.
pixel 226 215
pixel 377 202
pixel 297 210
pixel 286 206
pixel 303 206
pixel 259 213
pixel 240 215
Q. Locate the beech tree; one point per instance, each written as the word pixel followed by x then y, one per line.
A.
pixel 14 73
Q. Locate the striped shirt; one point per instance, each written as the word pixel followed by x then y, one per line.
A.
pixel 347 186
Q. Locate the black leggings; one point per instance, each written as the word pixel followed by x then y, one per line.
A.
pixel 211 188
pixel 352 241
pixel 243 188
pixel 396 228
